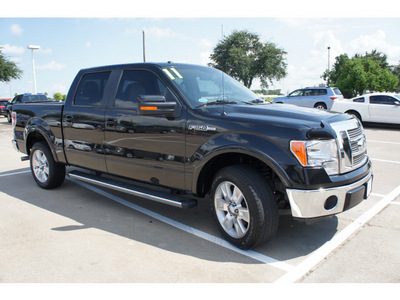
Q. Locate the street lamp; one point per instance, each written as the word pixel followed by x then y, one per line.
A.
pixel 33 47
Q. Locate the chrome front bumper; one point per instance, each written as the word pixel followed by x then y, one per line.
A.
pixel 324 202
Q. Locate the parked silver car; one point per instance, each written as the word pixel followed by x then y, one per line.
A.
pixel 318 97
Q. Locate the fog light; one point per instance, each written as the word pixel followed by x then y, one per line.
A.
pixel 331 203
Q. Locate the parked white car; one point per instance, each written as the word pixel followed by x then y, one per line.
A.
pixel 376 107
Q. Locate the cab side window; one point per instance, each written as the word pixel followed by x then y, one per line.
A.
pixel 91 89
pixel 136 83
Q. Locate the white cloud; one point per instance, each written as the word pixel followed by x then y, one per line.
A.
pixel 163 32
pixel 205 57
pixel 59 88
pixel 16 29
pixel 205 43
pixel 378 41
pixel 53 65
pixel 9 49
pixel 88 44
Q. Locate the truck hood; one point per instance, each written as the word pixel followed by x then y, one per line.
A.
pixel 267 120
pixel 284 114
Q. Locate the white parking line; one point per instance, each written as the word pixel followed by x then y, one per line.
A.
pixel 15 173
pixel 317 256
pixel 383 142
pixel 384 160
pixel 213 239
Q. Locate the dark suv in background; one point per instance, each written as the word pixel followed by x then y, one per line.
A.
pixel 3 105
pixel 318 97
pixel 24 98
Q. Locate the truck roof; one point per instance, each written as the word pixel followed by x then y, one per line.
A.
pixel 134 65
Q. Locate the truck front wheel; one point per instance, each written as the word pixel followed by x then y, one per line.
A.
pixel 47 173
pixel 244 206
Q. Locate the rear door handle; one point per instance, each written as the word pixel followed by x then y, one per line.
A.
pixel 68 118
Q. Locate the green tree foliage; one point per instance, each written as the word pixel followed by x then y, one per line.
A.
pixel 369 72
pixel 396 71
pixel 8 70
pixel 245 57
pixel 59 97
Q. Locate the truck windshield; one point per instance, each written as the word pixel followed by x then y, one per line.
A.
pixel 204 85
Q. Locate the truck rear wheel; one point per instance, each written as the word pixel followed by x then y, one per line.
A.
pixel 47 173
pixel 244 206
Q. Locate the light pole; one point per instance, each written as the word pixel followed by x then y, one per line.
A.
pixel 329 65
pixel 33 47
pixel 144 47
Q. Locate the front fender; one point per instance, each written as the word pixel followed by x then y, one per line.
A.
pixel 274 155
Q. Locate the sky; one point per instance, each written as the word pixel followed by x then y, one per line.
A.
pixel 73 41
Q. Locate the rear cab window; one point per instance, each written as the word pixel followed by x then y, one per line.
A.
pixel 91 89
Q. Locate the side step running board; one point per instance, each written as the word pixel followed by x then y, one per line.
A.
pixel 162 197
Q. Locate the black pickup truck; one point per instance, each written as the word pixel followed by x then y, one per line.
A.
pixel 178 134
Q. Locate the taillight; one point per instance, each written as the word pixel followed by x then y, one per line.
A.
pixel 333 98
pixel 14 118
pixel 2 107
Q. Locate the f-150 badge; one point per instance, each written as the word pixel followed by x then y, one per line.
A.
pixel 201 128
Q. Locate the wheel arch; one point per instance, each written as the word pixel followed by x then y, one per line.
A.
pixel 227 157
pixel 35 133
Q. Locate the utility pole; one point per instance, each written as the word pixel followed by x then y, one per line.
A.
pixel 144 47
pixel 329 66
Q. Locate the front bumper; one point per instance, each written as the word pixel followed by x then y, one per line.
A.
pixel 330 201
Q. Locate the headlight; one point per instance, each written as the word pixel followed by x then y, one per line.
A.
pixel 322 153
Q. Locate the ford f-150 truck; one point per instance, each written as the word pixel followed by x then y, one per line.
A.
pixel 179 134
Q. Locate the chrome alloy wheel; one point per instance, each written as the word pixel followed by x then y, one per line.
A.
pixel 231 209
pixel 40 166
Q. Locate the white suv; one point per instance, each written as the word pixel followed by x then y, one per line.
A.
pixel 318 97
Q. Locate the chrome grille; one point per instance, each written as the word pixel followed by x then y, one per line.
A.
pixel 358 145
pixel 352 144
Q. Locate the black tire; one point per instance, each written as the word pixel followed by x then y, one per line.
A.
pixel 320 105
pixel 47 173
pixel 9 117
pixel 257 206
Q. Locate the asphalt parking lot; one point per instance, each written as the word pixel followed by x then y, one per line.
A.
pixel 81 233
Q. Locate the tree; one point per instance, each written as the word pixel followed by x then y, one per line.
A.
pixel 360 73
pixel 396 71
pixel 245 57
pixel 59 97
pixel 8 70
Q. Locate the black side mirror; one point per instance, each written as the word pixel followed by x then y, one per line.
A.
pixel 155 105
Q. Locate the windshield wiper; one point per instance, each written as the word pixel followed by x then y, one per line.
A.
pixel 217 102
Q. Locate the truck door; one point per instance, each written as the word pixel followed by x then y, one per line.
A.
pixel 83 122
pixel 143 147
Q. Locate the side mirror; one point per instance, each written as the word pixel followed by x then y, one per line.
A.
pixel 396 102
pixel 155 105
